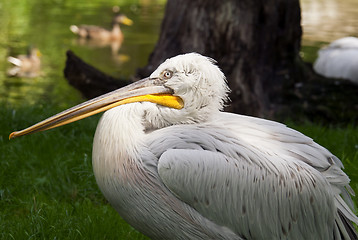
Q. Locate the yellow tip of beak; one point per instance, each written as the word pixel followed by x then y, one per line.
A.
pixel 12 135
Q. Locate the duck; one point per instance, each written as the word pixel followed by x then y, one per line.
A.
pixel 102 34
pixel 339 59
pixel 26 65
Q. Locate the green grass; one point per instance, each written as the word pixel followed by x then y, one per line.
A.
pixel 47 187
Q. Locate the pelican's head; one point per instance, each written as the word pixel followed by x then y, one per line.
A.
pixel 186 88
pixel 196 79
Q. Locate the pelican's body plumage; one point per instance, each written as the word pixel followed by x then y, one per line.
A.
pixel 179 168
pixel 339 59
pixel 223 172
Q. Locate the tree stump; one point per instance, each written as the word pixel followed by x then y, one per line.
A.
pixel 90 81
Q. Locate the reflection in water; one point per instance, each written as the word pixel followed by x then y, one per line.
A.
pixel 116 57
pixel 115 45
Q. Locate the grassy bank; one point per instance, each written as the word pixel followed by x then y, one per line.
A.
pixel 47 187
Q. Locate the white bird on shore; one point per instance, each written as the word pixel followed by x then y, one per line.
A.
pixel 339 59
pixel 175 167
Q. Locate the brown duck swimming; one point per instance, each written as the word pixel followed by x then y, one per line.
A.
pixel 102 34
pixel 26 65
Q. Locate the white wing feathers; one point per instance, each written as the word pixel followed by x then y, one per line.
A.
pixel 232 195
pixel 228 173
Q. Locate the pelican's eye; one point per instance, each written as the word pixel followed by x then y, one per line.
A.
pixel 167 74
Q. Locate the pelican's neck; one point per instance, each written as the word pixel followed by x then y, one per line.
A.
pixel 116 157
pixel 118 135
pixel 117 143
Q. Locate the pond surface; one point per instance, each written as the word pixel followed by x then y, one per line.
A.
pixel 45 24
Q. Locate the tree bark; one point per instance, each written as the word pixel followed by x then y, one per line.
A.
pixel 256 44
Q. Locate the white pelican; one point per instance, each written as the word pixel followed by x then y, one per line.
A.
pixel 175 167
pixel 339 59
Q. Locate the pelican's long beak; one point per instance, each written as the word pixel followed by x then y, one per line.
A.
pixel 149 90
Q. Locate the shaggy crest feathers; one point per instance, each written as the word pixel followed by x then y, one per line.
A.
pixel 197 80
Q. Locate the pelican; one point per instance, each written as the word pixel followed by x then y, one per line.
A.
pixel 174 166
pixel 339 59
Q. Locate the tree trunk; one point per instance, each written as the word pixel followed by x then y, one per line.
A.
pixel 256 44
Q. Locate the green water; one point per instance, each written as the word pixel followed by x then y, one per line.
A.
pixel 45 25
